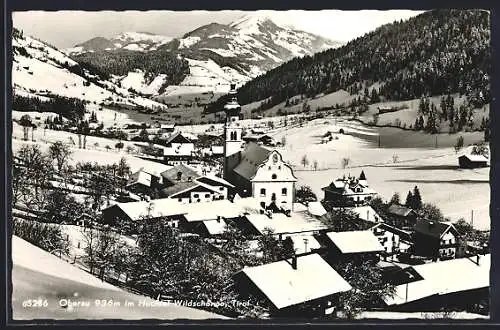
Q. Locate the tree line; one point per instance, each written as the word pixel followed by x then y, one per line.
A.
pixel 435 53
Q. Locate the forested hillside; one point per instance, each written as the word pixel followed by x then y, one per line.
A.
pixel 121 62
pixel 438 52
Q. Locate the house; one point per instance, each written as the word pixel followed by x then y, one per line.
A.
pixel 279 223
pixel 187 186
pixel 401 216
pixel 438 240
pixel 455 283
pixel 472 161
pixel 255 170
pixel 133 213
pixel 349 191
pixel 143 182
pixel 302 286
pixel 349 245
pixel 179 149
pixel 210 218
pixel 264 139
pixel 394 240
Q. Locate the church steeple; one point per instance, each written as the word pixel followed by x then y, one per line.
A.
pixel 232 130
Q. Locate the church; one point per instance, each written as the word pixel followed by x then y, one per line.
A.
pixel 256 171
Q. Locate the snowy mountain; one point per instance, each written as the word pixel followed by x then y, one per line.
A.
pixel 43 72
pixel 217 54
pixel 137 41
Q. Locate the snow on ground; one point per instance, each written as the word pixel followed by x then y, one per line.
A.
pixel 29 256
pixel 455 191
pixel 137 81
pixel 92 154
pixel 16 115
pixel 67 292
pixel 47 65
pixel 206 76
pixel 188 42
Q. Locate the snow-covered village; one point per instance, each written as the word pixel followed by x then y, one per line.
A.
pixel 252 169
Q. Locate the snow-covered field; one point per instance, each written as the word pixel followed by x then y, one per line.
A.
pixel 92 154
pixel 457 192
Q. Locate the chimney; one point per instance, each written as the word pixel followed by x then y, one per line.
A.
pixel 294 262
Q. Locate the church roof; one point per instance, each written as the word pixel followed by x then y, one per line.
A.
pixel 251 157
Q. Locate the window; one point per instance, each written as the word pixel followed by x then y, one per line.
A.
pixel 179 176
pixel 274 176
pixel 207 195
pixel 196 196
pixel 283 191
pixel 221 188
pixel 180 199
pixel 262 191
pixel 262 204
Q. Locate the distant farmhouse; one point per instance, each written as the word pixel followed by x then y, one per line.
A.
pixel 256 171
pixel 179 149
pixel 472 161
pixel 350 191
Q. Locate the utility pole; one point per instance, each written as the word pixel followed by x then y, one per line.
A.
pixel 436 144
pixel 472 218
pixel 379 141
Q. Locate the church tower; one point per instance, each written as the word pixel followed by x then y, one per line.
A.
pixel 232 132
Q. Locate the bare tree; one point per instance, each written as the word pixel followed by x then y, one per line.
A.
pixel 345 162
pixel 304 161
pixel 61 153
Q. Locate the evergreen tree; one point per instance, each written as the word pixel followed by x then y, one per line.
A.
pixel 409 199
pixel 362 175
pixel 417 199
pixel 444 109
pixel 395 199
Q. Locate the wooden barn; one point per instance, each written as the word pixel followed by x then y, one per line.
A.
pixel 472 161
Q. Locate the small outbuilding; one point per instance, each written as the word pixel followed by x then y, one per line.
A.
pixel 472 161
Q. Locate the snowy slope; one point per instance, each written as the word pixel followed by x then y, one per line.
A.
pixel 43 71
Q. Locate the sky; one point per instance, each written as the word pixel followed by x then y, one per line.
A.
pixel 64 29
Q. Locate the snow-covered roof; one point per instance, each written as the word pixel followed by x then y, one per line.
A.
pixel 159 208
pixel 284 286
pixel 299 207
pixel 281 223
pixel 467 275
pixel 475 158
pixel 367 213
pixel 213 210
pixel 141 177
pixel 316 209
pixel 355 241
pixel 215 227
pixel 217 180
